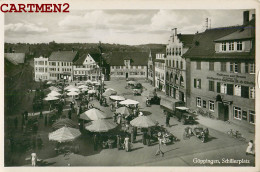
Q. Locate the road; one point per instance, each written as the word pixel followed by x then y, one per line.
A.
pixel 191 152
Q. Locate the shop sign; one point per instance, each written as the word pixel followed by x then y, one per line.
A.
pixel 230 78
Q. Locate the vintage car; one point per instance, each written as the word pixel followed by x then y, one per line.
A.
pixel 167 136
pixel 201 133
pixel 184 116
pixel 137 92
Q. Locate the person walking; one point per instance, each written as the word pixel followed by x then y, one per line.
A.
pixel 118 142
pixel 167 120
pixel 127 144
pixel 69 114
pixel 95 142
pixel 144 137
pixel 34 159
pixel 250 148
pixel 132 135
pixel 159 151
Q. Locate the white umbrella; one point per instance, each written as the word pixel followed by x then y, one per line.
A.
pixel 91 91
pixel 129 102
pixel 64 134
pixel 49 82
pixel 52 88
pixel 54 93
pixel 88 81
pixel 117 98
pixel 50 98
pixel 73 90
pixel 83 86
pixel 101 125
pixel 94 82
pixel 143 122
pixel 69 87
pixel 73 93
pixel 94 114
pixel 84 89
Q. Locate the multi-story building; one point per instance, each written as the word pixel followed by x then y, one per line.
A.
pixel 41 69
pixel 60 65
pixel 159 76
pixel 176 65
pixel 151 69
pixel 221 71
pixel 129 64
pixel 87 68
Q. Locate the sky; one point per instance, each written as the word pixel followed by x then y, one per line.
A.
pixel 132 27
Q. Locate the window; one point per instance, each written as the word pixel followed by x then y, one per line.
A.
pixel 211 86
pixel 252 117
pixel 244 115
pixel 223 88
pixel 204 104
pixel 211 66
pixel 198 65
pixel 244 92
pixel 252 68
pixel 180 51
pixel 197 83
pixel 173 51
pixel 246 67
pixel 231 67
pixel 239 46
pixel 177 64
pixel 231 46
pixel 252 92
pixel 223 46
pixel 198 102
pixel 237 113
pixel 237 90
pixel 223 66
pixel 236 67
pixel 211 105
pixel 230 89
pixel 181 65
pixel 173 63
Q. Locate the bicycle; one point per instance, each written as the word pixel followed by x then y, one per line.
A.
pixel 236 134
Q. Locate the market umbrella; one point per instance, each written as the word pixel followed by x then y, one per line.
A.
pixel 94 82
pixel 64 122
pixel 132 82
pixel 94 114
pixel 73 93
pixel 117 98
pixel 54 93
pixel 101 125
pixel 129 102
pixel 73 90
pixel 88 81
pixel 91 91
pixel 52 88
pixel 83 86
pixel 124 111
pixel 109 92
pixel 143 122
pixel 64 134
pixel 69 87
pixel 50 98
pixel 49 82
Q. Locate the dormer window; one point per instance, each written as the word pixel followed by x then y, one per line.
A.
pixel 239 46
pixel 223 46
pixel 127 63
pixel 231 46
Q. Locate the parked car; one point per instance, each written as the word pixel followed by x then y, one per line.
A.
pixel 201 133
pixel 184 116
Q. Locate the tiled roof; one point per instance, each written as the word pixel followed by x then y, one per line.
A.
pixel 66 56
pixel 136 58
pixel 186 39
pixel 15 58
pixel 96 58
pixel 203 46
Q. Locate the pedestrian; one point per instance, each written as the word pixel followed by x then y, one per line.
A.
pixel 95 142
pixel 132 135
pixel 167 120
pixel 250 148
pixel 71 105
pixel 159 151
pixel 45 120
pixel 144 137
pixel 34 159
pixel 118 142
pixel 115 117
pixel 127 144
pixel 26 115
pixel 119 119
pixel 135 132
pixel 15 122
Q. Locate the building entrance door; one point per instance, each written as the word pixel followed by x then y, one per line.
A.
pixel 223 111
pixel 126 75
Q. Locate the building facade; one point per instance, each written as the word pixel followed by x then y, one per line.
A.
pixel 129 64
pixel 151 69
pixel 159 72
pixel 176 65
pixel 61 65
pixel 41 69
pixel 221 68
pixel 86 68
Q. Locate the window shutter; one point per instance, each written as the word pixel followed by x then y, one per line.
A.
pixel 239 67
pixel 230 89
pixel 218 87
pixel 195 83
pixel 246 67
pixel 199 83
pixel 209 85
pixel 244 91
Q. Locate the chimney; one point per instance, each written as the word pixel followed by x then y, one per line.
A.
pixel 245 17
